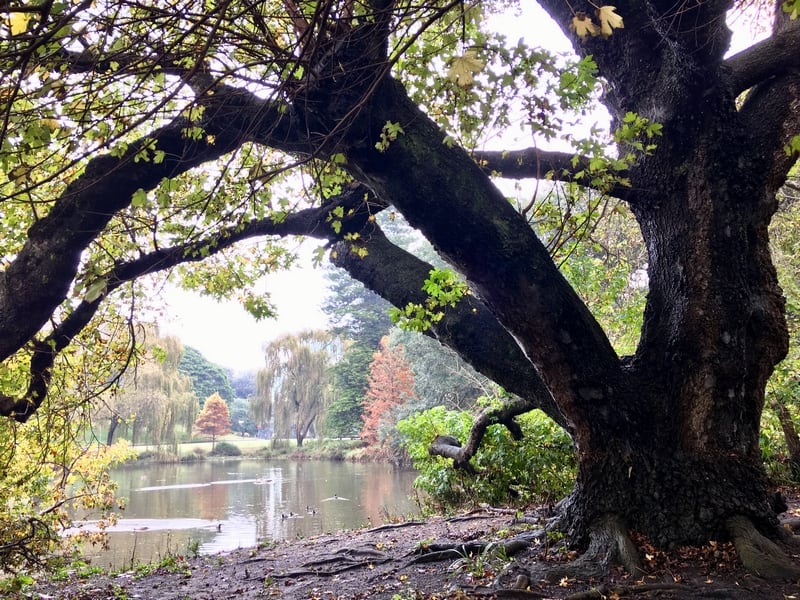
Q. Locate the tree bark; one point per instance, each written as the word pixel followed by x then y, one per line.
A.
pixel 112 428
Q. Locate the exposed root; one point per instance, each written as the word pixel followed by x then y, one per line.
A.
pixel 759 554
pixel 437 552
pixel 609 545
pixel 344 559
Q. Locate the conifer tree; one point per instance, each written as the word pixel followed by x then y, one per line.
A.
pixel 391 384
pixel 214 419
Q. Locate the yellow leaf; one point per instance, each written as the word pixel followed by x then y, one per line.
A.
pixel 609 20
pixel 51 124
pixel 18 22
pixel 582 25
pixel 462 68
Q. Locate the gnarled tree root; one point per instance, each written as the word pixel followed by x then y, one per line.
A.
pixel 759 554
pixel 609 545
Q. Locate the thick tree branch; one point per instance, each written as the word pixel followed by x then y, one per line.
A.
pixel 533 163
pixel 770 117
pixel 527 163
pixel 38 279
pixel 445 194
pixel 469 328
pixel 774 56
pixel 449 447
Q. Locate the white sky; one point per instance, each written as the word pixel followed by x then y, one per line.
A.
pixel 227 335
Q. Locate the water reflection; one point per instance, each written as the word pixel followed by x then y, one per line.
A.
pixel 232 504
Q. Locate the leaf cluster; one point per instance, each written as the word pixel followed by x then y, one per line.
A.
pixel 444 289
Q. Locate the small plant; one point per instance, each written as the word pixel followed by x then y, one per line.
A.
pixel 483 565
pixel 193 548
pixel 170 563
pixel 120 593
pixel 16 583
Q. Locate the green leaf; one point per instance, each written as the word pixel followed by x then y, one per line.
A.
pixel 139 198
pixel 96 290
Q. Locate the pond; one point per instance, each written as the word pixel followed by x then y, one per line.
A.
pixel 213 506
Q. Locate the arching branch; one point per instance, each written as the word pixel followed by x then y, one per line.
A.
pixel 533 163
pixel 311 222
pixel 776 55
pixel 39 277
pixel 448 447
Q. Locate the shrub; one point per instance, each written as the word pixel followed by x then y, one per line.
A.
pixel 538 468
pixel 226 449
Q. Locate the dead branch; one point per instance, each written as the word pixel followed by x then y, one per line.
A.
pixel 449 447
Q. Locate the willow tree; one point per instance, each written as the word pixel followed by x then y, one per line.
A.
pixel 153 403
pixel 140 136
pixel 294 388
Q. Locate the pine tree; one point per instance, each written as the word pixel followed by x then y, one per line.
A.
pixel 391 384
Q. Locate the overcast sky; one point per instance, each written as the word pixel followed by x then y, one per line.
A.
pixel 229 336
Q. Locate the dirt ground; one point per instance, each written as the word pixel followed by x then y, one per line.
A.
pixel 386 562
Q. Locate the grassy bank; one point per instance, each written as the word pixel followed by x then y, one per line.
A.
pixel 232 445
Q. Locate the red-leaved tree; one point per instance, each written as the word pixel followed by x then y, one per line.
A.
pixel 214 419
pixel 391 383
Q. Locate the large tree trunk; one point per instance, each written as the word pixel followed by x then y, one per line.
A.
pixel 666 439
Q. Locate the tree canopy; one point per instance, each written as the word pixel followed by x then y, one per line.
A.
pixel 138 138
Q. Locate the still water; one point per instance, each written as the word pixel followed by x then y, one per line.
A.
pixel 240 503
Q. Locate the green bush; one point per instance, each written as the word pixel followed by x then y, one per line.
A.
pixel 538 468
pixel 226 449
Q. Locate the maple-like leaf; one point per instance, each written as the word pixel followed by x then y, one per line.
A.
pixel 609 20
pixel 463 68
pixel 582 25
pixel 18 22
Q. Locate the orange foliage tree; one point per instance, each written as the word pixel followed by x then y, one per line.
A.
pixel 391 383
pixel 214 419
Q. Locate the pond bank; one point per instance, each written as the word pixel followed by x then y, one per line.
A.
pixel 336 450
pixel 384 563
